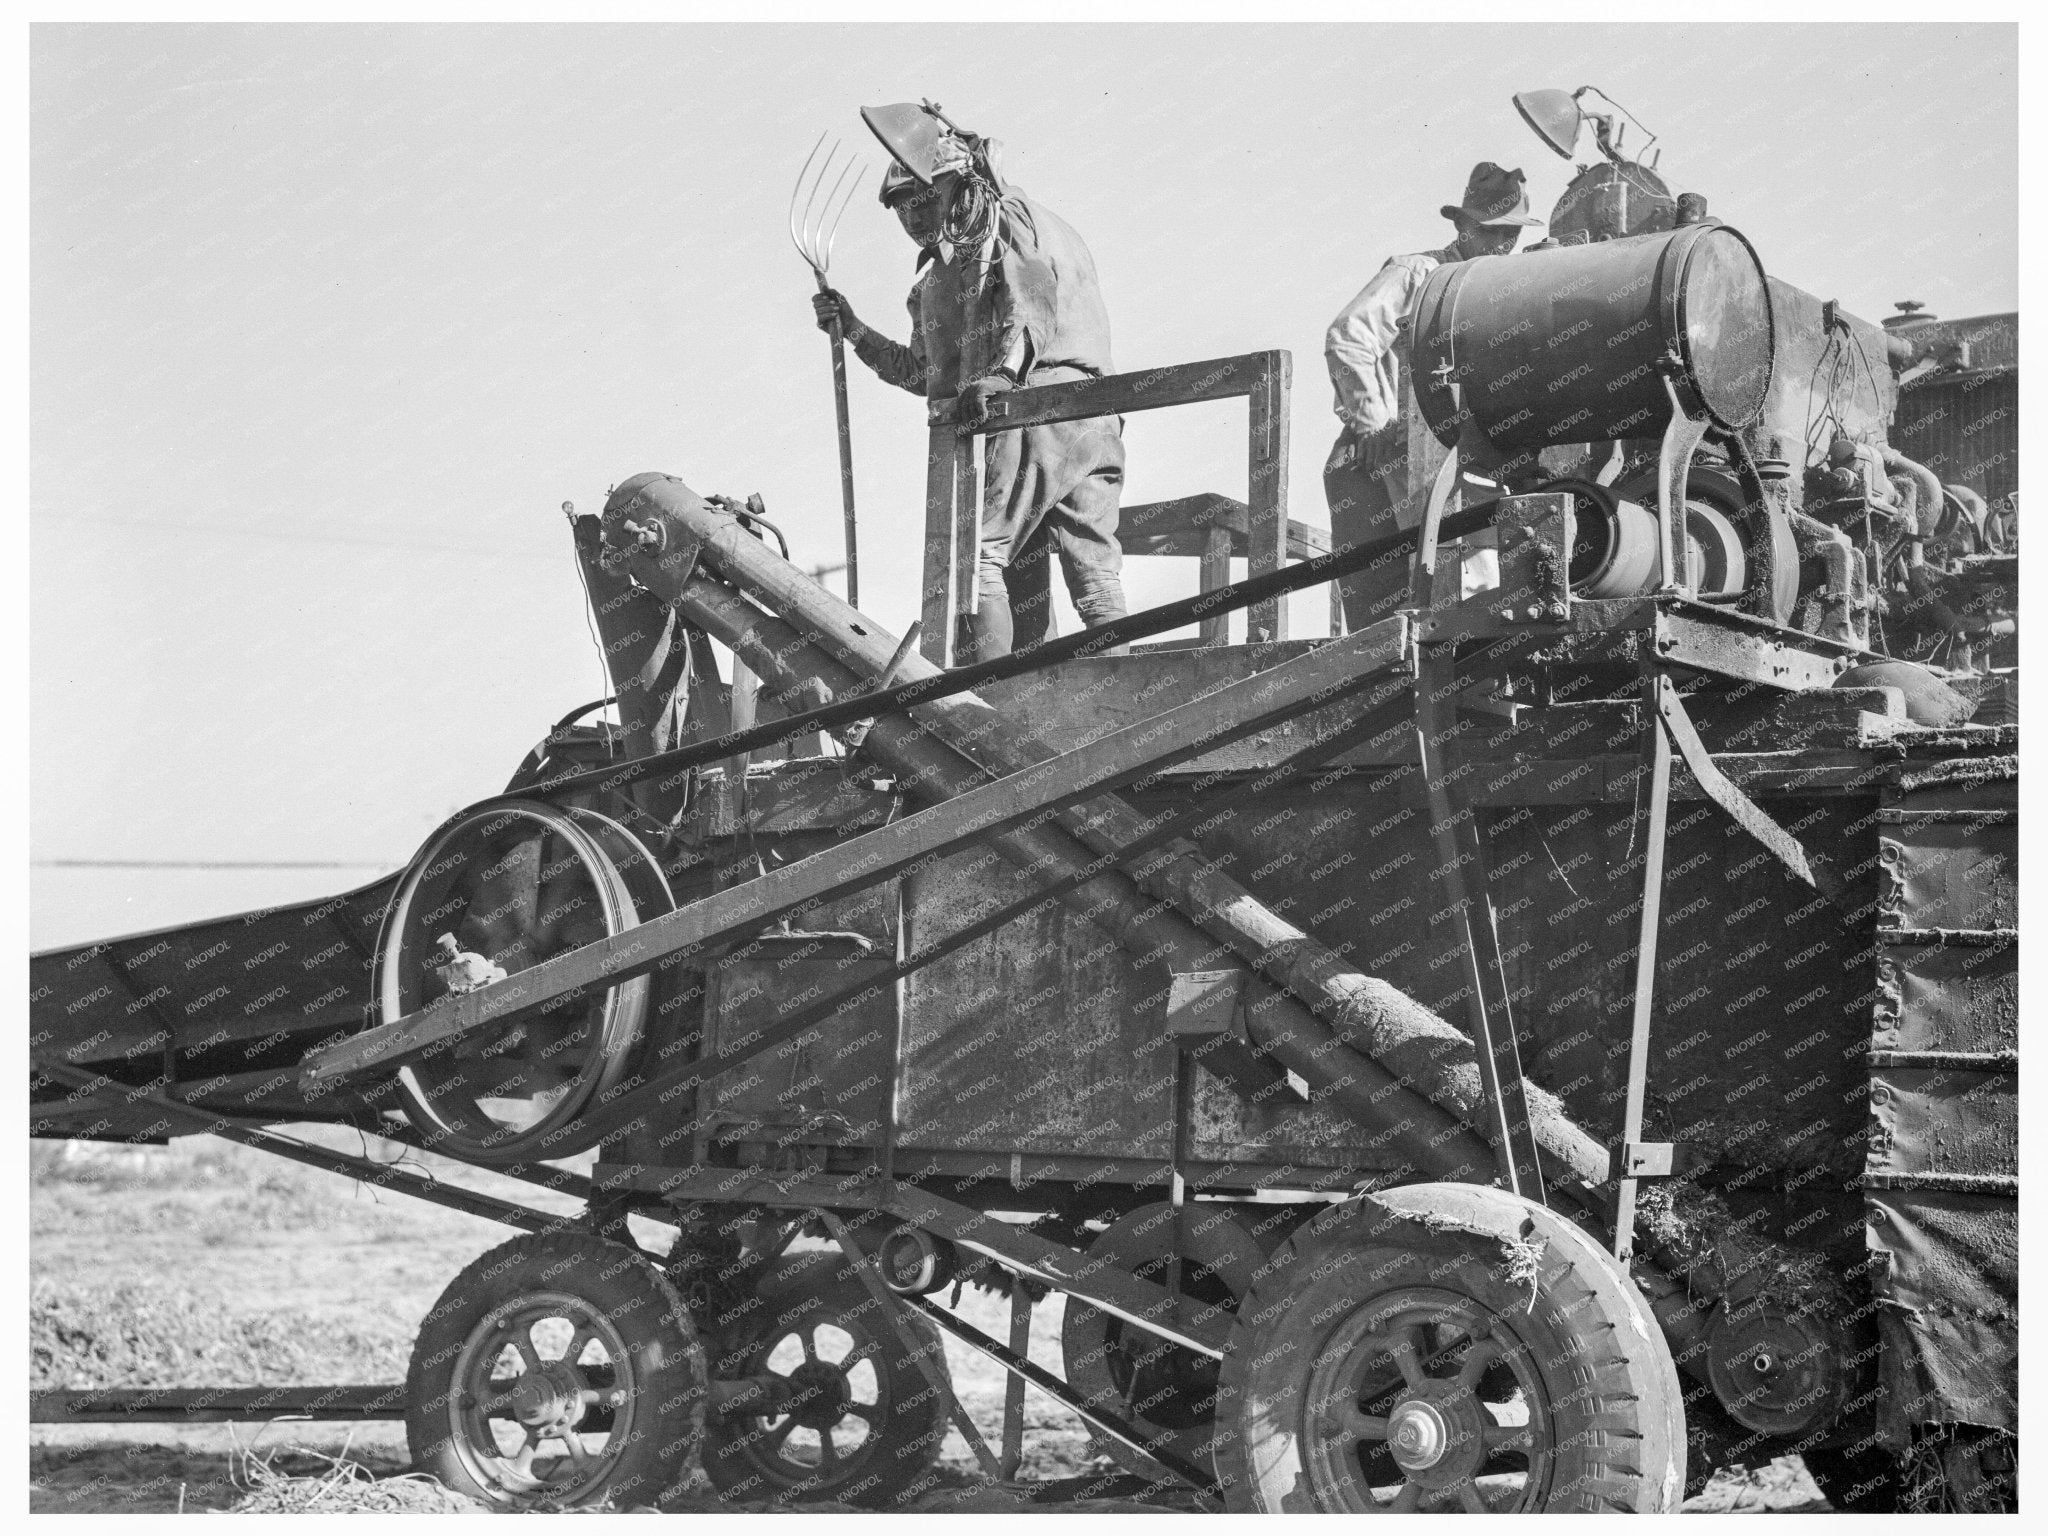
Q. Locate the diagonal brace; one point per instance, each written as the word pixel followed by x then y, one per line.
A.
pixel 1724 792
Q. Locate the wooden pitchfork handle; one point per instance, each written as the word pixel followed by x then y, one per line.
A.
pixel 845 450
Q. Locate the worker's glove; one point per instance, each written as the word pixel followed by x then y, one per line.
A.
pixel 831 305
pixel 972 410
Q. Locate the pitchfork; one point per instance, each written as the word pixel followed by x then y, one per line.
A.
pixel 813 240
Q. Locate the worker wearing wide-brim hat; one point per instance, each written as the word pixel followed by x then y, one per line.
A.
pixel 1006 294
pixel 1365 477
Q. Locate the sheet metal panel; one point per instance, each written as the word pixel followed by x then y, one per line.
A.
pixel 1948 1266
pixel 1948 997
pixel 1047 1038
pixel 1947 1260
pixel 1951 875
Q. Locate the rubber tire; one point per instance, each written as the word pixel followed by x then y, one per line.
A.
pixel 1858 1479
pixel 661 1346
pixel 915 1417
pixel 1619 1415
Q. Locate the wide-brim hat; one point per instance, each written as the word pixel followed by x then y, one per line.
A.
pixel 1493 196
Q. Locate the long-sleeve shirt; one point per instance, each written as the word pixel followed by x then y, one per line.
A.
pixel 1359 346
pixel 1035 285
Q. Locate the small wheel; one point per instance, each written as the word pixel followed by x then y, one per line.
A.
pixel 1167 1391
pixel 857 1420
pixel 1448 1348
pixel 556 1370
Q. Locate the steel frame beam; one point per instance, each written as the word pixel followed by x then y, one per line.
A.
pixel 217 1405
pixel 1657 748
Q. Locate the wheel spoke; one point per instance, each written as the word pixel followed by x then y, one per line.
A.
pixel 1409 1498
pixel 781 1432
pixel 827 1449
pixel 808 1338
pixel 523 1342
pixel 1482 1354
pixel 1401 1346
pixel 1473 1500
pixel 1506 1437
pixel 579 1453
pixel 1363 1426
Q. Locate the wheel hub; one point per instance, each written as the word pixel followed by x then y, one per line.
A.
pixel 552 1395
pixel 819 1394
pixel 1418 1435
pixel 1435 1433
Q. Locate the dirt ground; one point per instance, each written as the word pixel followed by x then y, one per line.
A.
pixel 206 1264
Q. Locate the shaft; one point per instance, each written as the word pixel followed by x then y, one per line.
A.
pixel 845 413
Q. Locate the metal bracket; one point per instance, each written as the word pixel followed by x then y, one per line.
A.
pixel 1205 1020
pixel 1724 792
pixel 1682 438
pixel 1647 1159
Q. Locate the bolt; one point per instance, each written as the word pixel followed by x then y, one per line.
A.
pixel 1763 1362
pixel 468 1399
pixel 616 1398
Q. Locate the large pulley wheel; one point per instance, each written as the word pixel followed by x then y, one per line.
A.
pixel 1448 1348
pixel 850 1416
pixel 1159 1388
pixel 518 882
pixel 1735 545
pixel 556 1371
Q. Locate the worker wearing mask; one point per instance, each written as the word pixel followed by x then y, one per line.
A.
pixel 1006 294
pixel 1366 475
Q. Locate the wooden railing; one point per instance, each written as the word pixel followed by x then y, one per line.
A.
pixel 952 537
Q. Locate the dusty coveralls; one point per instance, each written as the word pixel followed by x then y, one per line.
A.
pixel 967 309
pixel 1365 477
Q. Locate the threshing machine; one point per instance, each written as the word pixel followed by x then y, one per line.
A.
pixel 1550 1042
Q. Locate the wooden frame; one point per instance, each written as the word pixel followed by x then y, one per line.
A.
pixel 953 477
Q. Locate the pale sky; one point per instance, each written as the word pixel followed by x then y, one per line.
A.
pixel 327 322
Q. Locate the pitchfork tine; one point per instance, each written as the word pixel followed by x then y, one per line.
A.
pixel 832 234
pixel 797 191
pixel 810 230
pixel 820 242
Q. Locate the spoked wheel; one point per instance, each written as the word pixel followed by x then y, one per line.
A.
pixel 517 883
pixel 1448 1349
pixel 556 1370
pixel 1160 1388
pixel 851 1416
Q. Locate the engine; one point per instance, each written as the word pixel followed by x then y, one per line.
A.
pixel 1571 365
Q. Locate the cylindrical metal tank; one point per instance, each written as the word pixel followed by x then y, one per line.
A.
pixel 1572 345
